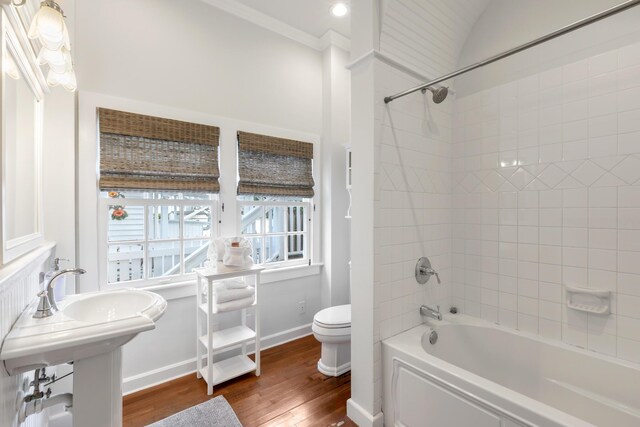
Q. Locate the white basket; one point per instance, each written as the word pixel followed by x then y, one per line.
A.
pixel 237 256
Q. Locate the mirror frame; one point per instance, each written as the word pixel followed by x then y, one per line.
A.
pixel 10 42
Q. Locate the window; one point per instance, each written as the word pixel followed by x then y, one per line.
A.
pixel 274 193
pixel 158 179
pixel 155 236
pixel 277 228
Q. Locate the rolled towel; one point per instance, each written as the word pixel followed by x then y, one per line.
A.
pixel 233 305
pixel 225 295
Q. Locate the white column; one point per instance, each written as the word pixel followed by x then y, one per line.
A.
pixel 97 390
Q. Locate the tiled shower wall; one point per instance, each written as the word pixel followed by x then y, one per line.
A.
pixel 546 193
pixel 412 205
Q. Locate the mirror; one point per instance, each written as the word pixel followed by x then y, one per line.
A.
pixel 21 150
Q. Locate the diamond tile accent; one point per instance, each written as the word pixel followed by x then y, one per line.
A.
pixel 493 180
pixel 569 182
pixel 470 182
pixel 628 170
pixel 552 175
pixel 608 180
pixel 521 178
pixel 588 173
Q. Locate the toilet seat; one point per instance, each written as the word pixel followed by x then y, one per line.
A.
pixel 338 317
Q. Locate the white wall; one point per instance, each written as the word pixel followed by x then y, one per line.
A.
pixel 546 176
pixel 193 56
pixel 195 62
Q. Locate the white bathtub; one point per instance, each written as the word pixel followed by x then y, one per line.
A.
pixel 478 374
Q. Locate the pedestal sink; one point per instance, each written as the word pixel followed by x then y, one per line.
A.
pixel 90 330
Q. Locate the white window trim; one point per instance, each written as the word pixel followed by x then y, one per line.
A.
pixel 89 251
pixel 103 243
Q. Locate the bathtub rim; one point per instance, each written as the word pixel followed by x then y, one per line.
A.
pixel 409 343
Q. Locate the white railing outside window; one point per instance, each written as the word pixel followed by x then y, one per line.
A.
pixel 160 241
pixel 278 231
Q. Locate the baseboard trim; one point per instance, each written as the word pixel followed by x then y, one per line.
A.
pixel 362 417
pixel 167 373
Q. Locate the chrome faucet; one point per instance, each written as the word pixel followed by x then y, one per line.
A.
pixel 430 312
pixel 47 304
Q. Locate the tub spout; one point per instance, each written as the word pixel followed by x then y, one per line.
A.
pixel 430 312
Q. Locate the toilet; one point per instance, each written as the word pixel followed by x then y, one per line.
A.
pixel 332 327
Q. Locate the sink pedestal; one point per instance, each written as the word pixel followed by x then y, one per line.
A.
pixel 97 390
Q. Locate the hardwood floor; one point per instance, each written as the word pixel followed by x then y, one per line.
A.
pixel 289 392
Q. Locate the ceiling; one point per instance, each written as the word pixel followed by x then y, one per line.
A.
pixel 310 16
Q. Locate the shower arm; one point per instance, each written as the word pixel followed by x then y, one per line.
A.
pixel 564 30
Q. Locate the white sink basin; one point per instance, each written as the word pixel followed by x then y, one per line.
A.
pixel 86 325
pixel 108 307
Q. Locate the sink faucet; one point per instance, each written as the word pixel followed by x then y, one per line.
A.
pixel 47 304
pixel 430 312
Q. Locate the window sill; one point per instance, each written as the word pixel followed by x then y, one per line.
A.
pixel 187 288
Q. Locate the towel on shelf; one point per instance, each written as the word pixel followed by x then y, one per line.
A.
pixel 221 295
pixel 234 283
pixel 233 305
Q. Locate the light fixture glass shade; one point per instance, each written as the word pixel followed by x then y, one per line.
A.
pixel 59 60
pixel 49 27
pixel 10 68
pixel 339 9
pixel 66 79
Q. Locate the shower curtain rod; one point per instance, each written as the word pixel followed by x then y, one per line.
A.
pixel 564 30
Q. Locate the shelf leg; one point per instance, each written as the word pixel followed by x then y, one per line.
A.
pixel 198 327
pixel 256 315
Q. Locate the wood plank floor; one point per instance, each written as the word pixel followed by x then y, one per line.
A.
pixel 289 392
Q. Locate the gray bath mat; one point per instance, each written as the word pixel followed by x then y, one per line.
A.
pixel 212 413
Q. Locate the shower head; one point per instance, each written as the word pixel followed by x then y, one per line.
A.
pixel 439 94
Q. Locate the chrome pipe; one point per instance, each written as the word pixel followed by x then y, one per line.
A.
pixel 564 30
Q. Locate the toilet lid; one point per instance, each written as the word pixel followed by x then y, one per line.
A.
pixel 334 317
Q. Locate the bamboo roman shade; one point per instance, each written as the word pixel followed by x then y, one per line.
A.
pixel 273 166
pixel 139 152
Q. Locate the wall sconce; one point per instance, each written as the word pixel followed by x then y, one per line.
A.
pixel 49 27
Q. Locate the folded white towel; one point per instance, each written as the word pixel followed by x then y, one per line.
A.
pixel 226 295
pixel 234 283
pixel 233 305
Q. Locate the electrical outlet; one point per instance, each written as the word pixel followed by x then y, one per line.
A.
pixel 302 306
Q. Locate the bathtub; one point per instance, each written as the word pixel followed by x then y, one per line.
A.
pixel 478 374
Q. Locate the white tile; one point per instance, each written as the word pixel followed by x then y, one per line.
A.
pixel 628 121
pixel 603 125
pixel 508 318
pixel 602 146
pixel 629 306
pixel 629 218
pixel 551 236
pixel 629 240
pixel 550 254
pixel 628 99
pixel 629 143
pixel 574 257
pixel 575 198
pixel 603 217
pixel 603 197
pixel 629 197
pixel 575 237
pixel 528 199
pixel 575 217
pixel 528 323
pixel 629 262
pixel 574 150
pixel 527 234
pixel 628 284
pixel 603 63
pixel 574 335
pixel 629 55
pixel 550 329
pixel 551 217
pixel 550 292
pixel 629 350
pixel 603 238
pixel 629 327
pixel 550 199
pixel 603 259
pixel 602 343
pixel 550 310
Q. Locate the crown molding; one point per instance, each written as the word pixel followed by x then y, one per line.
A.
pixel 272 24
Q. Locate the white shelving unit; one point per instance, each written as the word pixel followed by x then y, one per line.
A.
pixel 212 342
